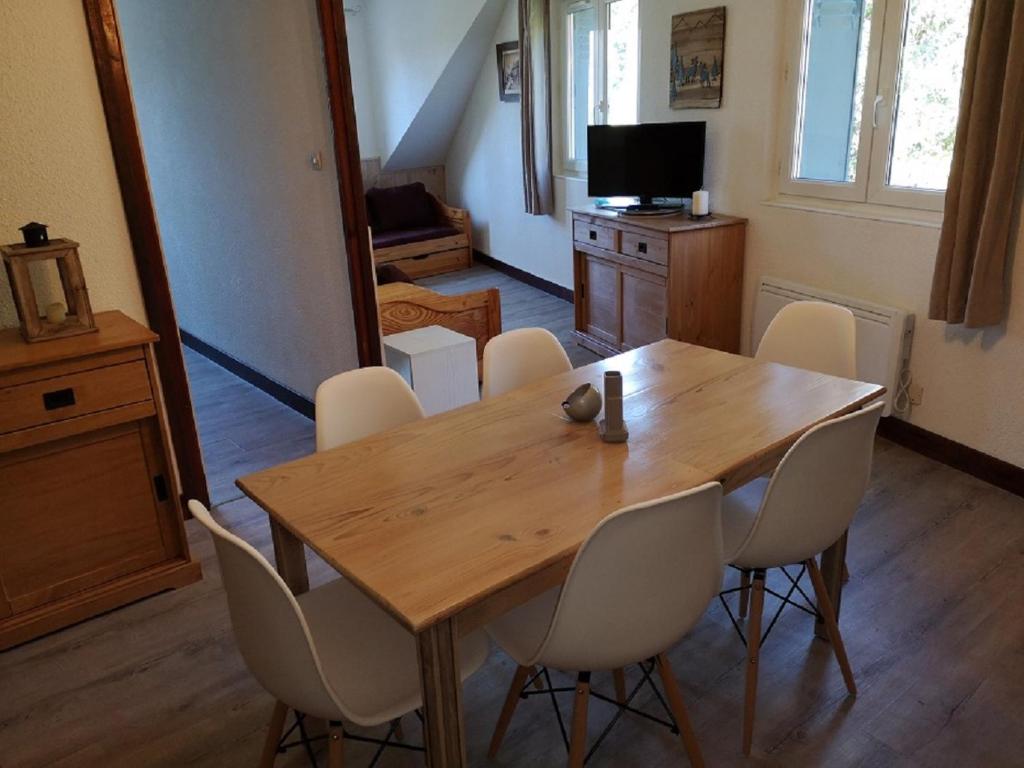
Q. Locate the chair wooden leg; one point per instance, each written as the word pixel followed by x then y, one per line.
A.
pixel 831 625
pixel 335 745
pixel 744 592
pixel 675 701
pixel 274 731
pixel 753 657
pixel 578 735
pixel 620 685
pixel 507 710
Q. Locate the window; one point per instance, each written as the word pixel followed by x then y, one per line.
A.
pixel 601 62
pixel 875 93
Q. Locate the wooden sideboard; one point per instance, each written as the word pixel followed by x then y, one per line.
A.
pixel 639 279
pixel 90 511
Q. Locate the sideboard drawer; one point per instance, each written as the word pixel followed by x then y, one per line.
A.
pixel 50 400
pixel 596 235
pixel 647 247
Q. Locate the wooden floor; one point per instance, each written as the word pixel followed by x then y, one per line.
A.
pixel 931 617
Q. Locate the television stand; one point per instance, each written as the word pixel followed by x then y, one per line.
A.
pixel 639 279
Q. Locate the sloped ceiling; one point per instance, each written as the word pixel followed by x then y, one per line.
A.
pixel 425 58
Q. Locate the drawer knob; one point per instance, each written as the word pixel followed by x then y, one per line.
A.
pixel 593 234
pixel 642 247
pixel 59 398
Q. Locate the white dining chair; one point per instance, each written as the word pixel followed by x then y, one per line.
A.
pixel 330 653
pixel 789 519
pixel 361 402
pixel 813 335
pixel 640 581
pixel 516 358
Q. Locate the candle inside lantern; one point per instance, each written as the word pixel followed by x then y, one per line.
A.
pixel 701 203
pixel 56 313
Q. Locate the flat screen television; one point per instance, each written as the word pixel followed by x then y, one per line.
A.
pixel 646 161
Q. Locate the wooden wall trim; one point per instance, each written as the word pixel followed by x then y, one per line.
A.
pixel 108 55
pixel 997 472
pixel 350 180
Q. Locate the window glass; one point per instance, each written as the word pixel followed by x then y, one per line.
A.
pixel 835 66
pixel 622 57
pixel 581 34
pixel 928 93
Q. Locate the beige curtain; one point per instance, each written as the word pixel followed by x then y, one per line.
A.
pixel 970 271
pixel 535 63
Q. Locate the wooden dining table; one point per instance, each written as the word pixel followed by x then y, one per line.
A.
pixel 451 521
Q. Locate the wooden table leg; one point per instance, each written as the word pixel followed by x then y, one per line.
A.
pixel 442 695
pixel 832 561
pixel 290 556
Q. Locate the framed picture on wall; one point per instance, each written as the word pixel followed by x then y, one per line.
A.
pixel 697 59
pixel 509 71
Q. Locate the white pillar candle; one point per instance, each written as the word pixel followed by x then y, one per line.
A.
pixel 56 313
pixel 701 203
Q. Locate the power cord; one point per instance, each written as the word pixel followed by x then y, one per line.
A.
pixel 901 403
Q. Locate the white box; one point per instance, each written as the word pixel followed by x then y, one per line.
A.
pixel 439 364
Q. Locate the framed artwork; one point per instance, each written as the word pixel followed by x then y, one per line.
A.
pixel 697 59
pixel 509 72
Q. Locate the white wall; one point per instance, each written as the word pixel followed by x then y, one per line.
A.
pixel 363 91
pixel 55 161
pixel 231 99
pixel 972 381
pixel 409 46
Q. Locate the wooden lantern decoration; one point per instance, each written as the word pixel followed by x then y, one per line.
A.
pixel 60 320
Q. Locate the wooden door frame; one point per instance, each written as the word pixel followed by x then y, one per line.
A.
pixel 136 196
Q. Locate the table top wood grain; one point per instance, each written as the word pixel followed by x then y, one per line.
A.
pixel 438 516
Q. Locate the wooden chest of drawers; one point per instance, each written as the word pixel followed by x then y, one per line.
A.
pixel 90 515
pixel 640 279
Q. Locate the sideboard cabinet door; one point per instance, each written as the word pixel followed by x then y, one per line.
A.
pixel 601 308
pixel 81 512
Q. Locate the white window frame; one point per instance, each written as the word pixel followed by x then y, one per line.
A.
pixel 598 76
pixel 878 117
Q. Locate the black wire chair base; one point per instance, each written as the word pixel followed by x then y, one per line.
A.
pixel 809 606
pixel 550 690
pixel 306 741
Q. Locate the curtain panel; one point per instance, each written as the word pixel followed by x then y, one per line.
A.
pixel 535 64
pixel 969 284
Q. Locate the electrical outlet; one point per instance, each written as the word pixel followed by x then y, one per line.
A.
pixel 916 394
pixel 316 161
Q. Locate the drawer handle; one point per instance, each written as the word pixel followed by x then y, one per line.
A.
pixel 421 258
pixel 160 488
pixel 641 247
pixel 60 398
pixel 593 234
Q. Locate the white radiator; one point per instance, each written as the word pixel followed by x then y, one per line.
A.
pixel 884 334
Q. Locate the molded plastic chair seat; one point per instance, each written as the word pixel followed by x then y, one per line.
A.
pixel 789 519
pixel 522 630
pixel 641 580
pixel 739 512
pixel 368 657
pixel 813 335
pixel 358 403
pixel 516 358
pixel 330 653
